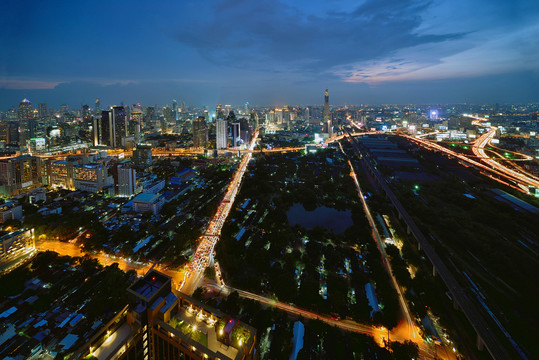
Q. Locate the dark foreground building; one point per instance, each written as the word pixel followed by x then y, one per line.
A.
pixel 163 324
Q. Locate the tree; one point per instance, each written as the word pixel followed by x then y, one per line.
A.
pixel 405 351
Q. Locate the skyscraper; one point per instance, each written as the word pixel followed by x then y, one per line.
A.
pixel 107 129
pixel 175 114
pixel 221 134
pixel 119 119
pixel 127 181
pixel 236 131
pixel 12 133
pixel 25 110
pixel 97 107
pixel 42 110
pixel 327 115
pixel 19 174
pixel 200 132
pixel 96 131
pixel 219 113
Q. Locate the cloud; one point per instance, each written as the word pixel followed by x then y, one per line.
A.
pixel 483 53
pixel 274 36
pixel 27 84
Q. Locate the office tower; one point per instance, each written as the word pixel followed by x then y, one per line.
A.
pixel 142 155
pixel 253 120
pixel 175 114
pixel 200 132
pixel 96 130
pixel 168 117
pixel 127 181
pixel 31 128
pixel 25 110
pixel 206 115
pixel 219 113
pixel 19 174
pixel 246 109
pixel 278 116
pixel 119 118
pixel 307 115
pixel 12 133
pixel 42 111
pixel 433 114
pixel 228 108
pixel 221 134
pixel 327 115
pixel 97 107
pixel 236 129
pixel 107 129
pixel 183 107
pixel 85 112
pixel 147 119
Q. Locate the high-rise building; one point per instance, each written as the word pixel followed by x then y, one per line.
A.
pixel 19 174
pixel 119 118
pixel 183 107
pixel 107 129
pixel 89 177
pixel 168 117
pixel 327 115
pixel 236 133
pixel 200 132
pixel 97 107
pixel 42 111
pixel 307 115
pixel 221 134
pixel 25 110
pixel 219 113
pixel 175 114
pixel 228 109
pixel 157 314
pixel 148 117
pixel 142 155
pixel 113 126
pixel 127 181
pixel 12 133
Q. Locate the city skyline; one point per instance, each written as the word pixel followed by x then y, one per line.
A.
pixel 271 53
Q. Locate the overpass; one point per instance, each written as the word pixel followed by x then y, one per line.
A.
pixel 485 336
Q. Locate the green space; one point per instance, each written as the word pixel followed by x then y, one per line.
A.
pixel 315 269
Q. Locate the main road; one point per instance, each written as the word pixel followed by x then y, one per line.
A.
pixel 380 334
pixel 412 328
pixel 204 253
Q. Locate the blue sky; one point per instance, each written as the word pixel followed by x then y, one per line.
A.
pixel 269 52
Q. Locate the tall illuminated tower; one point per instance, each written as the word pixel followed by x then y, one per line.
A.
pixel 327 115
pixel 25 110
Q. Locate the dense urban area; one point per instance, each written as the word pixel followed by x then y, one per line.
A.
pixel 263 232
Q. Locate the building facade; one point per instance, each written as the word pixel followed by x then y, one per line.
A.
pixel 221 134
pixel 20 174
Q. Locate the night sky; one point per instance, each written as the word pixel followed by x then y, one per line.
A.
pixel 269 52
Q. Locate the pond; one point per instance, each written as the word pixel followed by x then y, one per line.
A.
pixel 333 219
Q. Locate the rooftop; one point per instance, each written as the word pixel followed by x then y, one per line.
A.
pixel 150 284
pixel 146 197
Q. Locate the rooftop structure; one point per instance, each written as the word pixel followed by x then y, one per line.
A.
pixel 173 325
